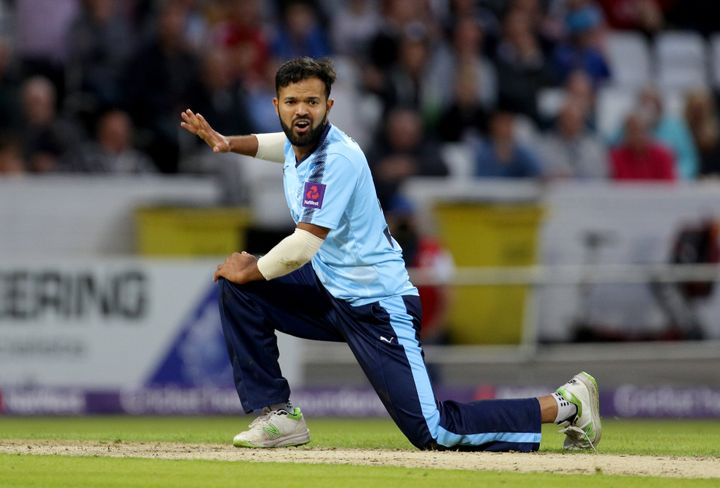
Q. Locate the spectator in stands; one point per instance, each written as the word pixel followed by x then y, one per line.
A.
pixel 223 100
pixel 162 77
pixel 413 81
pixel 521 66
pixel 501 155
pixel 301 34
pixel 242 32
pixel 353 27
pixel 582 49
pixel 580 91
pixel 402 151
pixel 702 119
pixel 259 101
pixel 9 88
pixel 221 97
pixel 11 162
pixel 570 150
pixel 639 156
pixel 196 23
pixel 466 117
pixel 398 18
pixel 46 138
pixel 670 130
pixel 552 25
pixel 100 42
pixel 41 28
pixel 486 13
pixel 466 53
pixel 112 151
pixel 546 29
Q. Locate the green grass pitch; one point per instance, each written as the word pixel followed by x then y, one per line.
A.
pixel 667 438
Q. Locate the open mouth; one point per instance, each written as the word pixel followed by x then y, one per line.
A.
pixel 302 126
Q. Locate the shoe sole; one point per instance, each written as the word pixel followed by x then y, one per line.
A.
pixel 289 441
pixel 591 384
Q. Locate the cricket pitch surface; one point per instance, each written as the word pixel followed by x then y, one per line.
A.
pixel 568 463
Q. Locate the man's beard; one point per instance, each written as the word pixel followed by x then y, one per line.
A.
pixel 309 139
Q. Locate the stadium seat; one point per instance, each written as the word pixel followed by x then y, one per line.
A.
pixel 681 60
pixel 550 101
pixel 526 132
pixel 613 104
pixel 629 58
pixel 459 159
pixel 674 102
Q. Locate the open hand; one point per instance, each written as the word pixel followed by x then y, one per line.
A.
pixel 196 124
pixel 239 267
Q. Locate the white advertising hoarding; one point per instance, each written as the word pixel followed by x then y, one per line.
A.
pixel 116 324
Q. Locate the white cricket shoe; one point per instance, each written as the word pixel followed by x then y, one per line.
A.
pixel 275 428
pixel 584 430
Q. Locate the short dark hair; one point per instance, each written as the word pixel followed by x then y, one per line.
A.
pixel 299 69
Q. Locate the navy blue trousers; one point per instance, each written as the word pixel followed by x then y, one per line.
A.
pixel 383 336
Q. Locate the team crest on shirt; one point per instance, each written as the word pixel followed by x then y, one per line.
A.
pixel 313 194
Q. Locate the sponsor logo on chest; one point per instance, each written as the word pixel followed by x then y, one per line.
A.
pixel 313 194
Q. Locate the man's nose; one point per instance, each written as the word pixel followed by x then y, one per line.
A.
pixel 301 109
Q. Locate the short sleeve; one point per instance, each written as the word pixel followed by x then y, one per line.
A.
pixel 327 191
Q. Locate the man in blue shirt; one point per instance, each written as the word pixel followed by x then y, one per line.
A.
pixel 501 155
pixel 340 277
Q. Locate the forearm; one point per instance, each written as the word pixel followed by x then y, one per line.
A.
pixel 245 145
pixel 269 147
pixel 289 254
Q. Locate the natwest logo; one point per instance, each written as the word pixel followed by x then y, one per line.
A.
pixel 313 194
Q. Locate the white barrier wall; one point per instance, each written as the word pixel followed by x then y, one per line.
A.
pixel 86 216
pixel 116 324
pixel 627 224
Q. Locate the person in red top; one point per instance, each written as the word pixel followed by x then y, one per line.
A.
pixel 647 16
pixel 243 34
pixel 430 260
pixel 639 156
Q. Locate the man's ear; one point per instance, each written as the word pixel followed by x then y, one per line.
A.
pixel 275 104
pixel 330 103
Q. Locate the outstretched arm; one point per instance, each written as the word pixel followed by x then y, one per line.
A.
pixel 263 146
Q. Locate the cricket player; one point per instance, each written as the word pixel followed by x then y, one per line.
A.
pixel 340 276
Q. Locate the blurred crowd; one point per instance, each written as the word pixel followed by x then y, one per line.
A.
pixel 425 86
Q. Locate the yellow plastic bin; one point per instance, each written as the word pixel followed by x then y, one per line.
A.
pixel 178 231
pixel 481 234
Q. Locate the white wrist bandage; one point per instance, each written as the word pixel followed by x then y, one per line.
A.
pixel 271 147
pixel 289 254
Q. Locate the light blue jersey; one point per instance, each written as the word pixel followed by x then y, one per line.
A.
pixel 359 261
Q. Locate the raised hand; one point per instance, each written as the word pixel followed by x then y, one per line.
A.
pixel 196 124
